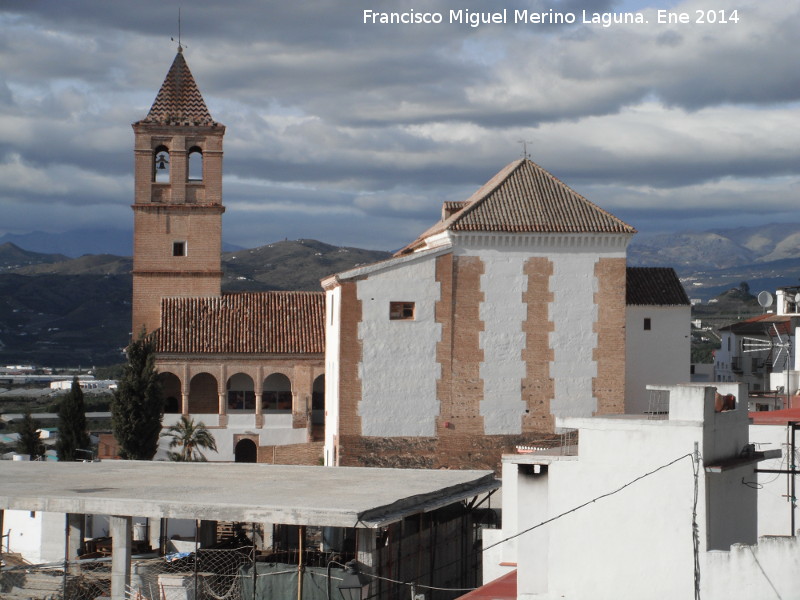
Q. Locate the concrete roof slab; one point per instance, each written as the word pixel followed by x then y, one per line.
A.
pixel 332 496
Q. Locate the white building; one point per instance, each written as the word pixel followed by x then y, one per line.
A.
pixel 615 520
pixel 657 334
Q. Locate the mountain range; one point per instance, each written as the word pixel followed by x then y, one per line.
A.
pixel 61 311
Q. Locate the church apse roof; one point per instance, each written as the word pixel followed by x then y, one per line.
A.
pixel 525 198
pixel 243 322
pixel 179 101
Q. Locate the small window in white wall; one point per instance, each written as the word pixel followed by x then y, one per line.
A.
pixel 178 248
pixel 647 324
pixel 401 311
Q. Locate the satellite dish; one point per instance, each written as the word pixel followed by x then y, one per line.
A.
pixel 797 298
pixel 765 299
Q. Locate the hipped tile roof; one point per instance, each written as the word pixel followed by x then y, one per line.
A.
pixel 654 286
pixel 179 101
pixel 523 197
pixel 761 325
pixel 253 322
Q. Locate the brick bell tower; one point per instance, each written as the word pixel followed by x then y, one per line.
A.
pixel 177 229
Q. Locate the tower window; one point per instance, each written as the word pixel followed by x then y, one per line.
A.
pixel 161 165
pixel 195 164
pixel 401 311
pixel 647 324
pixel 178 248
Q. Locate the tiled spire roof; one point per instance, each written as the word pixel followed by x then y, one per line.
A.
pixel 523 197
pixel 654 286
pixel 179 101
pixel 253 322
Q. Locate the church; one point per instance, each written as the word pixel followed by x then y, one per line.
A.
pixel 507 313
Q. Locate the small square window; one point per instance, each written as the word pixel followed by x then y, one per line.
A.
pixel 647 324
pixel 178 248
pixel 401 311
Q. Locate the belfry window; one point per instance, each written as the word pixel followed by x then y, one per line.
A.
pixel 161 165
pixel 195 164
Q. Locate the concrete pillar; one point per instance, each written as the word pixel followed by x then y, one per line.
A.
pixel 76 526
pixel 208 533
pixel 120 531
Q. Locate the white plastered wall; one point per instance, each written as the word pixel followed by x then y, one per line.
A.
pixel 660 355
pixel 398 369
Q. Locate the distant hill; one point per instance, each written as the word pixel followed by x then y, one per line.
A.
pixel 717 249
pixel 60 311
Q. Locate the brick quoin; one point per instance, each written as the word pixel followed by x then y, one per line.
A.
pixel 609 384
pixel 349 382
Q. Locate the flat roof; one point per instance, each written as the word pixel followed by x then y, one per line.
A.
pixel 295 495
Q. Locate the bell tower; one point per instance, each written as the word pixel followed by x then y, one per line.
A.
pixel 177 210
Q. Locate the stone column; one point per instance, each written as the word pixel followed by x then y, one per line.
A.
pixel 120 531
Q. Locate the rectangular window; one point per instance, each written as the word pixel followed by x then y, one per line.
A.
pixel 178 248
pixel 647 324
pixel 401 311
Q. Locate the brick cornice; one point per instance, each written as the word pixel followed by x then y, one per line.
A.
pixel 194 209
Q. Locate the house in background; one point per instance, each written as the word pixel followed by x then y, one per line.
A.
pixel 623 506
pixel 761 352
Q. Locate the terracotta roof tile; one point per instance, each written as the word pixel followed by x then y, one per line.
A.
pixel 179 101
pixel 523 197
pixel 762 324
pixel 257 322
pixel 654 286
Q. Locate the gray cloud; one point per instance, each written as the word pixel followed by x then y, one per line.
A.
pixel 355 134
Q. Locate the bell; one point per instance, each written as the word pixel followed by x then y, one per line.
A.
pixel 161 162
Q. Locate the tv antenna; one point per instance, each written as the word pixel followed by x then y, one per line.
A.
pixel 779 347
pixel 525 148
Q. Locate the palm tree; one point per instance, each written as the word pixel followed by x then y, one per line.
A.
pixel 190 437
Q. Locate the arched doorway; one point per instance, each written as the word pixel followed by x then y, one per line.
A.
pixel 171 386
pixel 246 451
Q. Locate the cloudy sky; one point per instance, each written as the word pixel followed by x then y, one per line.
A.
pixel 355 133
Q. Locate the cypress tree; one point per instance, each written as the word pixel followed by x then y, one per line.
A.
pixel 138 404
pixel 29 441
pixel 72 434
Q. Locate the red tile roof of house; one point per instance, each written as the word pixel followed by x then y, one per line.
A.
pixel 654 286
pixel 179 101
pixel 502 588
pixel 762 324
pixel 253 322
pixel 523 197
pixel 775 417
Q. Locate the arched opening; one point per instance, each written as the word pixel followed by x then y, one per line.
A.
pixel 318 408
pixel 203 395
pixel 245 451
pixel 161 165
pixel 195 164
pixel 277 396
pixel 241 394
pixel 171 386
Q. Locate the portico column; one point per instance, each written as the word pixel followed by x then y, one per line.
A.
pixel 120 530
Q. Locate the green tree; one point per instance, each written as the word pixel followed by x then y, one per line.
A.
pixel 72 434
pixel 190 438
pixel 29 441
pixel 138 404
